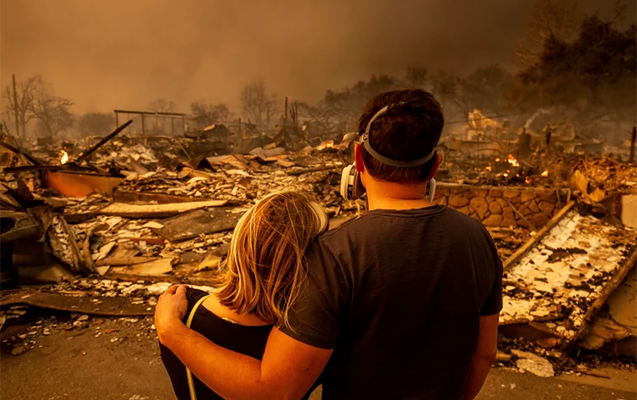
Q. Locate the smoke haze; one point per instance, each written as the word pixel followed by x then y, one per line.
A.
pixel 123 53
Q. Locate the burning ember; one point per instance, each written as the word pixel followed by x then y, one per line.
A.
pixel 65 157
pixel 328 144
pixel 511 160
pixel 545 173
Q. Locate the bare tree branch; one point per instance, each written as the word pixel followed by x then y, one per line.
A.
pixel 52 111
pixel 558 19
pixel 258 105
pixel 25 96
pixel 161 105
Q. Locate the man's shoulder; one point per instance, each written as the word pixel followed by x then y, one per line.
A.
pixel 363 223
pixel 463 219
pixel 345 228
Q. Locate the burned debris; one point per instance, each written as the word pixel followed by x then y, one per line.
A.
pixel 111 223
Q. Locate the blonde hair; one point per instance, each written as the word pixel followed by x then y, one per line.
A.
pixel 265 260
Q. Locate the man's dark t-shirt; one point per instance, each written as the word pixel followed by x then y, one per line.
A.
pixel 398 295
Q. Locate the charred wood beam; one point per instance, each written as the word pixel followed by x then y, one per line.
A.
pixel 531 225
pixel 26 155
pixel 63 167
pixel 149 113
pixel 306 170
pixel 108 306
pixel 102 142
pixel 610 287
pixel 515 257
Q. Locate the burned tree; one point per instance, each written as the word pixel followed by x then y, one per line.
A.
pixel 483 89
pixel 52 112
pixel 205 113
pixel 21 103
pixel 550 19
pixel 593 75
pixel 161 105
pixel 416 77
pixel 257 104
pixel 444 87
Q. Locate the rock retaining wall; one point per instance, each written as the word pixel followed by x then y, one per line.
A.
pixel 502 206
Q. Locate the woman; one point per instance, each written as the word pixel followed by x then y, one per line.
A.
pixel 263 277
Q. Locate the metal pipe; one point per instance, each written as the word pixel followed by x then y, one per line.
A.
pixel 149 113
pixel 15 109
pixel 631 159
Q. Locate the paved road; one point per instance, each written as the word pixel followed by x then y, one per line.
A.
pixel 125 365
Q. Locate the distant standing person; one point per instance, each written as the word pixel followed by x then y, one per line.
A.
pixel 401 303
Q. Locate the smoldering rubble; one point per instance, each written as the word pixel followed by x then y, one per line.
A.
pixel 107 228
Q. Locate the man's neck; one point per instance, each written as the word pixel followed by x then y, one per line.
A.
pixel 386 203
pixel 392 196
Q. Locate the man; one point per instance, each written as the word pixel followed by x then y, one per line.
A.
pixel 403 302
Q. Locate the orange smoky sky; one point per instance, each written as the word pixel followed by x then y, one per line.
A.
pixel 125 53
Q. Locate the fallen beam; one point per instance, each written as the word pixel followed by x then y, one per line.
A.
pixel 107 306
pixel 29 157
pixel 147 211
pixel 560 284
pixel 605 294
pixel 123 261
pixel 296 172
pixel 203 278
pixel 515 257
pixel 199 222
pixel 63 167
pixel 157 267
pixel 127 196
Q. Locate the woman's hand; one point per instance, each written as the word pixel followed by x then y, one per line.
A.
pixel 170 310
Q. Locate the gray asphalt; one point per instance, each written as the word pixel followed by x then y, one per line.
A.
pixel 75 364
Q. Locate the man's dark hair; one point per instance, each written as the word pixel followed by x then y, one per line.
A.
pixel 410 129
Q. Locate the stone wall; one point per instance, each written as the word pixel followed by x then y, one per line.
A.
pixel 502 206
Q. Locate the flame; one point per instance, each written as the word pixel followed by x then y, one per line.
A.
pixel 497 160
pixel 545 173
pixel 325 145
pixel 65 157
pixel 505 174
pixel 488 168
pixel 528 180
pixel 511 160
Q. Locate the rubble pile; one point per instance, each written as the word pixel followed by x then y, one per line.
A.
pixel 598 178
pixel 154 213
pixel 556 284
pixel 235 185
pixel 122 156
pixel 508 240
pixel 494 171
pixel 178 222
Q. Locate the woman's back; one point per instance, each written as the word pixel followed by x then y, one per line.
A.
pixel 262 279
pixel 248 340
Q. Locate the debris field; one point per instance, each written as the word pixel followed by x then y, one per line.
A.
pixel 107 231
